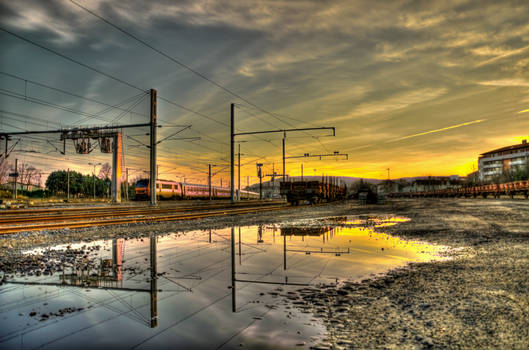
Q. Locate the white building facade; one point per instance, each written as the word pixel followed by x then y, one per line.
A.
pixel 498 161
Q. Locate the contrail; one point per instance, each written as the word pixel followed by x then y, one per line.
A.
pixel 438 130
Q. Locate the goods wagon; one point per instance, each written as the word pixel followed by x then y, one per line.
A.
pixel 495 190
pixel 312 191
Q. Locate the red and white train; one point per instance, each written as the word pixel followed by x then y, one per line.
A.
pixel 178 190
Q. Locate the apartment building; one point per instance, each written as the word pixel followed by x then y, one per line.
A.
pixel 498 161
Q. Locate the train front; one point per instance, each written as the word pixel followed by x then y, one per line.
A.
pixel 142 189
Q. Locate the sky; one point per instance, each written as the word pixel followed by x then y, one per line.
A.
pixel 419 87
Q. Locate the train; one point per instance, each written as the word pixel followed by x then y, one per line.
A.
pixel 495 190
pixel 166 189
pixel 312 191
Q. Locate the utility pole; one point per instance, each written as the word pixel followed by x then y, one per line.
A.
pixel 68 185
pixel 260 175
pixel 239 172
pixel 94 180
pixel 284 172
pixel 127 184
pixel 94 176
pixel 232 144
pixel 301 171
pixel 209 180
pixel 15 180
pixel 248 187
pixel 283 131
pixel 153 147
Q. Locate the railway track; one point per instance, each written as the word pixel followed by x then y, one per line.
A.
pixel 48 215
pixel 21 221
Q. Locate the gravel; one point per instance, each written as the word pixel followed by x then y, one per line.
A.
pixel 479 298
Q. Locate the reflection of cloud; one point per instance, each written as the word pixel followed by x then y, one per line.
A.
pixel 438 130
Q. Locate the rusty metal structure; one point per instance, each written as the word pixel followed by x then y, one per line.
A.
pixel 315 192
pixel 494 190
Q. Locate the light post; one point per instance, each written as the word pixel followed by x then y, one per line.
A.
pixel 260 175
pixel 94 176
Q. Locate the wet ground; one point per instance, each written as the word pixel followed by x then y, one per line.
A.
pixel 171 289
pixel 303 278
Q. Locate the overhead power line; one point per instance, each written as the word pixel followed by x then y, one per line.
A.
pixel 98 71
pixel 178 62
pixel 67 92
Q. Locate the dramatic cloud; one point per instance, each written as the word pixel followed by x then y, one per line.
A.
pixel 378 71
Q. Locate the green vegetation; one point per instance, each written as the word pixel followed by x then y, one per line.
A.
pixel 81 186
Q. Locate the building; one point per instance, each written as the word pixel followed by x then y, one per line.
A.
pixel 501 160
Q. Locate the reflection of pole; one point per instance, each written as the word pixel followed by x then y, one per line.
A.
pixel 233 269
pixel 284 252
pixel 240 244
pixel 209 235
pixel 154 282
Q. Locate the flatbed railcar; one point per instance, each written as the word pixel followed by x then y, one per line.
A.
pixel 166 189
pixel 312 191
pixel 494 190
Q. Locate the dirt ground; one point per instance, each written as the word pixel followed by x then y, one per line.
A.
pixel 478 299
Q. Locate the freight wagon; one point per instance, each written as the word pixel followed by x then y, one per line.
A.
pixel 312 191
pixel 495 190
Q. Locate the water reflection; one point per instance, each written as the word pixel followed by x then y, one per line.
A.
pixel 108 277
pixel 205 289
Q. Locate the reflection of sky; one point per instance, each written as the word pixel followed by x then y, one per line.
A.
pixel 193 298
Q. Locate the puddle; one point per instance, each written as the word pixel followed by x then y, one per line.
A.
pixel 200 289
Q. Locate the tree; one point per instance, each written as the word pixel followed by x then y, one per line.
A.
pixel 5 169
pixel 105 172
pixel 27 174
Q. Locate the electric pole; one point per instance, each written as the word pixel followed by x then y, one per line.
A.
pixel 94 176
pixel 68 185
pixel 284 172
pixel 15 180
pixel 232 144
pixel 209 180
pixel 127 184
pixel 153 127
pixel 239 172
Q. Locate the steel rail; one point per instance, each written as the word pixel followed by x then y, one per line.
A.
pixel 18 219
pixel 121 207
pixel 120 221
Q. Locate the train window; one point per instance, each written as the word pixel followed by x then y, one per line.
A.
pixel 167 186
